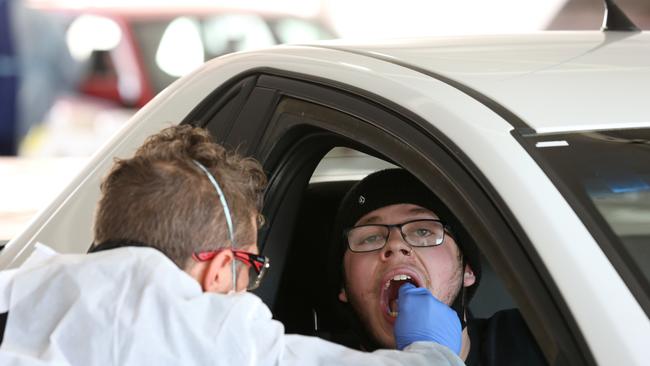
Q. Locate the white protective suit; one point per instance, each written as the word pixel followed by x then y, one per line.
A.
pixel 134 306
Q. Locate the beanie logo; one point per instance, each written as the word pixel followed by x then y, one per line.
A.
pixel 362 200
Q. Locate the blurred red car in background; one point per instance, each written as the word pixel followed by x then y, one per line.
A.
pixel 132 52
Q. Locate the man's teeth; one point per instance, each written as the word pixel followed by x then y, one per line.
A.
pixel 393 313
pixel 399 277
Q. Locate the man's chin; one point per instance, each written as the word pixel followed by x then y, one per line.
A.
pixel 376 327
pixel 387 342
pixel 385 337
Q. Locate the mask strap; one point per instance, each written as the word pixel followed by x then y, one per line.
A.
pixel 226 211
pixel 459 303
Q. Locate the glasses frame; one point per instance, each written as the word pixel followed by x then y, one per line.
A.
pixel 258 262
pixel 445 232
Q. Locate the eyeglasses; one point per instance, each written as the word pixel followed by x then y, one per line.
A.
pixel 257 264
pixel 416 233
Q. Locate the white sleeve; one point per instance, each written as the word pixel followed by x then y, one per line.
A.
pixel 252 337
pixel 302 350
pixel 138 308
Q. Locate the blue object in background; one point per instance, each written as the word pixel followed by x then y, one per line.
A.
pixel 8 83
pixel 631 185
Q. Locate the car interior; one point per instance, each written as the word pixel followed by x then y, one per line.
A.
pixel 304 301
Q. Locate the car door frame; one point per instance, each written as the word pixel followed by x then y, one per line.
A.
pixel 290 142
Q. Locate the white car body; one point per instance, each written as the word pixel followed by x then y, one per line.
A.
pixel 553 82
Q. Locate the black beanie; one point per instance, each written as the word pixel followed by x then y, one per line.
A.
pixel 396 186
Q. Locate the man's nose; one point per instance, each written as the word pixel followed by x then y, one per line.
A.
pixel 395 245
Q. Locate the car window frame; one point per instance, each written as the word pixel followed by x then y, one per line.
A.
pixel 290 150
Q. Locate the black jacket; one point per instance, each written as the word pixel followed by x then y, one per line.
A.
pixel 503 339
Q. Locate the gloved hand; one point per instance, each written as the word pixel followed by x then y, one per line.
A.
pixel 422 317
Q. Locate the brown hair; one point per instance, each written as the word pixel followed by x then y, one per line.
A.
pixel 159 197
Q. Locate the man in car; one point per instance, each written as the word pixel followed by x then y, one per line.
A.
pixel 402 256
pixel 175 251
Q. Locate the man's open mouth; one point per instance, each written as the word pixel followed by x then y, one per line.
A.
pixel 391 291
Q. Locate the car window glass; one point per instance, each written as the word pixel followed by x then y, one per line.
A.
pixel 180 50
pixel 235 32
pixel 90 33
pixel 607 174
pixel 290 30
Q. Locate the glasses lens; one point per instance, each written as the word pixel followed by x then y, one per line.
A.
pixel 424 233
pixel 367 238
pixel 253 280
pixel 256 270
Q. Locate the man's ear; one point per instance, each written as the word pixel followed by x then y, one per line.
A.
pixel 217 275
pixel 468 276
pixel 343 296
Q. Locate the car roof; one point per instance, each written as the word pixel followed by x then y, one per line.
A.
pixel 552 81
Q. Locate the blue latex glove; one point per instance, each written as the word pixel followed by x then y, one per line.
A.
pixel 423 318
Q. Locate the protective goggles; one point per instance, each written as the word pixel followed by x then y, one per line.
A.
pixel 257 264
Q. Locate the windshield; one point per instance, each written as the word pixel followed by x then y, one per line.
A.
pixel 605 176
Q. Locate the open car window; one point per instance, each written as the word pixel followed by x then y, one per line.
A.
pixel 301 304
pixel 315 140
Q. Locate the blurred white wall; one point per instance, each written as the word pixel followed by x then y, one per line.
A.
pixel 407 18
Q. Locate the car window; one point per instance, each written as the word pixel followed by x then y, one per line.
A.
pixel 203 37
pixel 180 49
pixel 305 131
pixel 307 124
pixel 605 175
pixel 97 53
pixel 172 47
pixel 292 30
pixel 107 34
pixel 336 172
pixel 235 32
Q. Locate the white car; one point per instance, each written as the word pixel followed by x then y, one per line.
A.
pixel 540 145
